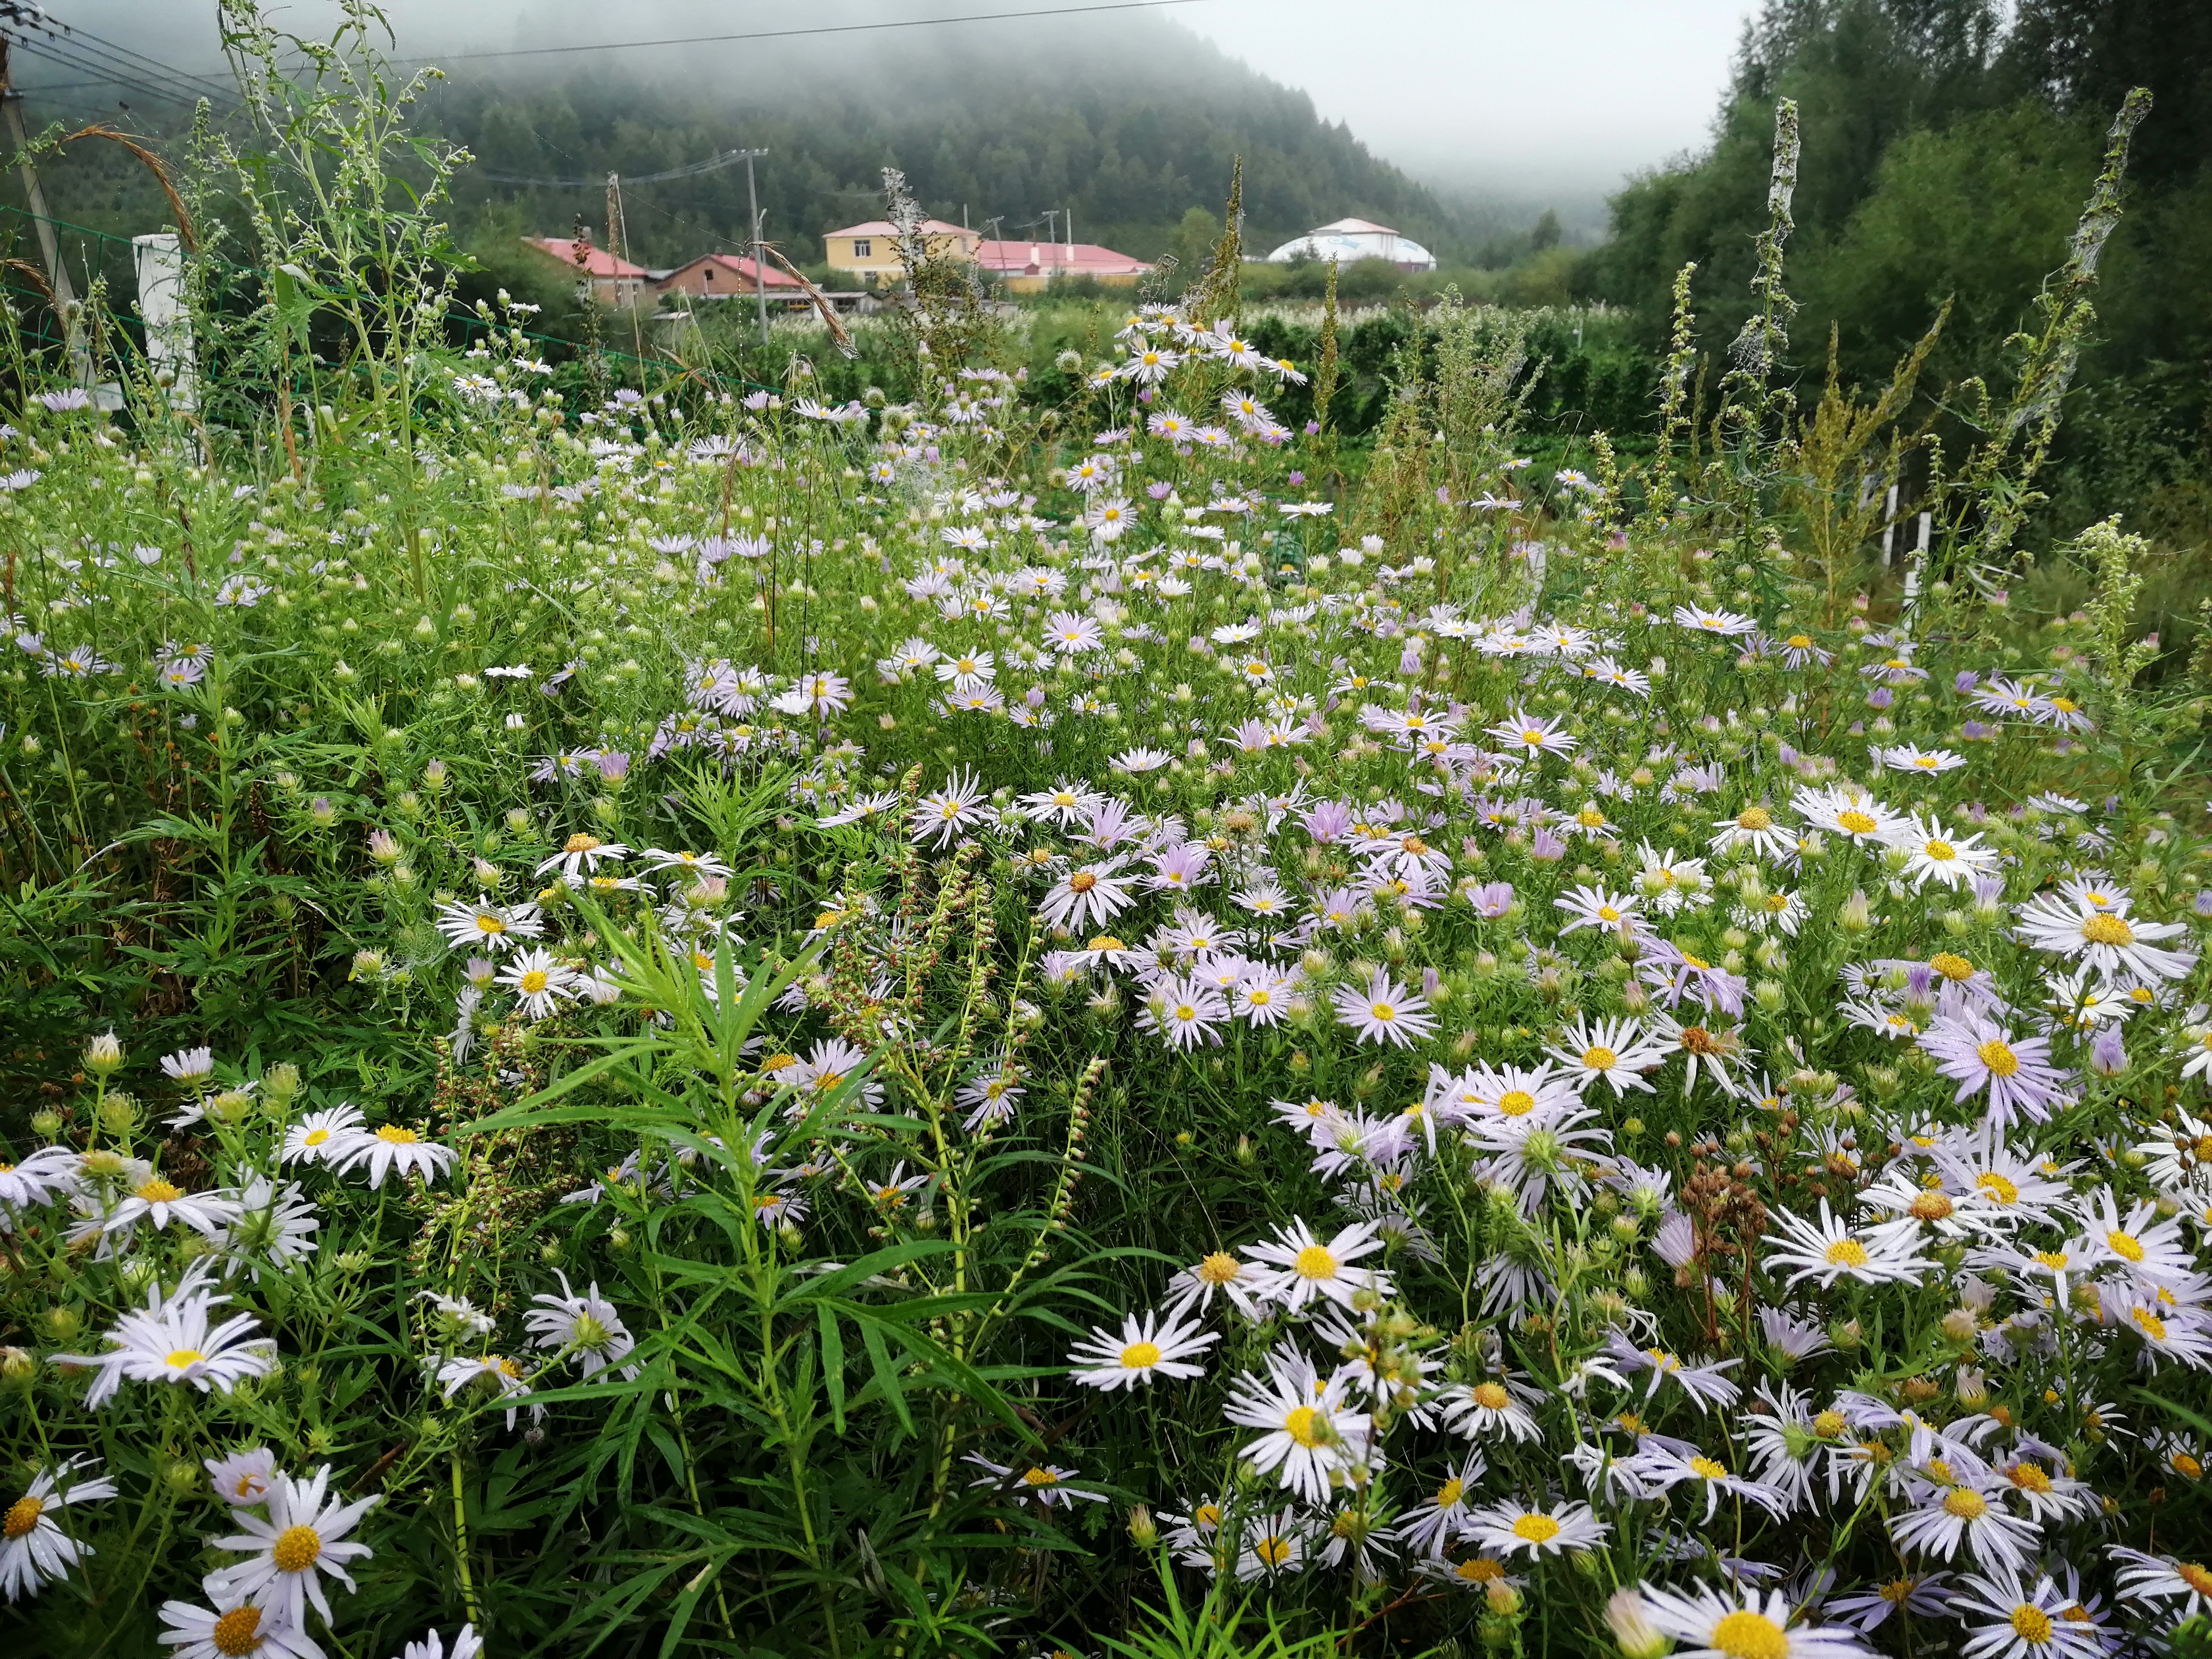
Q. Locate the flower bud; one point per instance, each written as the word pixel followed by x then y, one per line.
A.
pixel 1855 916
pixel 119 1114
pixel 103 1054
pixel 1144 1531
pixel 1631 1624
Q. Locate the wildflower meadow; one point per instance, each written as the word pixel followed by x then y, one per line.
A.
pixel 647 1014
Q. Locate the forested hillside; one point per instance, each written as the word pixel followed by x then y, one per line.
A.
pixel 1127 122
pixel 1947 149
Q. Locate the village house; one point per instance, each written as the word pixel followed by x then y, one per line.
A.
pixel 869 252
pixel 726 275
pixel 612 281
pixel 1028 267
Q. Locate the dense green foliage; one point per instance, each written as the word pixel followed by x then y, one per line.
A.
pixel 1944 155
pixel 1646 1089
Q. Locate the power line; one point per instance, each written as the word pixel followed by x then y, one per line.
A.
pixel 215 88
pixel 106 72
pixel 787 34
pixel 712 164
pixel 91 55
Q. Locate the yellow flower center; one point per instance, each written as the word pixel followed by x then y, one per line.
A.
pixel 1139 1355
pixel 1857 823
pixel 1105 942
pixel 1082 882
pixel 1490 1396
pixel 2029 1477
pixel 1599 1058
pixel 2031 1623
pixel 2101 929
pixel 393 1135
pixel 1952 966
pixel 1931 1206
pixel 1754 818
pixel 237 1632
pixel 1383 1012
pixel 581 844
pixel 1846 1253
pixel 2197 1578
pixel 1829 1424
pixel 1516 1103
pixel 1480 1570
pixel 1220 1268
pixel 22 1514
pixel 535 981
pixel 296 1549
pixel 1536 1529
pixel 1746 1635
pixel 1998 1056
pixel 1965 1505
pixel 1942 851
pixel 1709 1469
pixel 1314 1262
pixel 488 923
pixel 182 1358
pixel 1039 1478
pixel 1273 1550
pixel 2000 1187
pixel 1304 1426
pixel 158 1191
pixel 2184 1465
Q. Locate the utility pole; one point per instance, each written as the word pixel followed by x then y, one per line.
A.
pixel 760 274
pixel 58 280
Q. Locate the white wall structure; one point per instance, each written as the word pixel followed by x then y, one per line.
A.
pixel 169 323
pixel 1347 240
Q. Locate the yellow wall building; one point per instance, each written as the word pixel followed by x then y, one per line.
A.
pixel 869 251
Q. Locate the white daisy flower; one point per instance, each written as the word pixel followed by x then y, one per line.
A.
pixel 34 1551
pixel 302 1539
pixel 1149 1346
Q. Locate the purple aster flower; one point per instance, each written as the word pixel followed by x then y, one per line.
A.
pixel 1326 821
pixel 1492 899
pixel 1978 1053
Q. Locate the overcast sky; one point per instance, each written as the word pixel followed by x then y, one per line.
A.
pixel 1525 97
pixel 1560 94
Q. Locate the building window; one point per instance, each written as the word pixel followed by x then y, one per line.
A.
pixel 709 273
pixel 863 248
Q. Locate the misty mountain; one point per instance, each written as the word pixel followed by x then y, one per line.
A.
pixel 1127 123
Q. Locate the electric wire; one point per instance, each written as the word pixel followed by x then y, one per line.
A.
pixel 818 29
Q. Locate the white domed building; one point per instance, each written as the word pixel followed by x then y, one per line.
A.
pixel 1349 239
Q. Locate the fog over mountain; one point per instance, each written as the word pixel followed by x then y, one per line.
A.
pixel 1504 106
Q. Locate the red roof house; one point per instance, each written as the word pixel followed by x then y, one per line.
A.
pixel 1028 266
pixel 614 280
pixel 722 276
